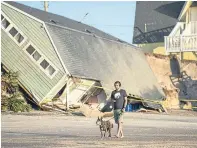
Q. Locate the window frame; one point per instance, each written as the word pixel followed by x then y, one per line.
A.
pixel 2 21
pixel 15 34
pixel 10 27
pixel 43 57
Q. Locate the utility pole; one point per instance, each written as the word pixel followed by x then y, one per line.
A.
pixel 46 5
pixel 145 27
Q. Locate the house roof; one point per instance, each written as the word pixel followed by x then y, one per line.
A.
pixel 171 9
pixel 159 17
pixel 107 61
pixel 60 20
pixel 99 57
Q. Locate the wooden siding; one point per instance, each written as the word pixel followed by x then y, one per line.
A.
pixel 15 58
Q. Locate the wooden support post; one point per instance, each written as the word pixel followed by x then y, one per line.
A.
pixel 181 56
pixel 67 94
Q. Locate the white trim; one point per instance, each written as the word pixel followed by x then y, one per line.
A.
pixel 56 50
pixel 10 27
pixel 90 86
pixel 22 12
pixel 187 4
pixel 179 17
pixel 40 60
pixel 176 28
pixel 57 87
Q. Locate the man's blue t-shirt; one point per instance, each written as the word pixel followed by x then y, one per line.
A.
pixel 118 98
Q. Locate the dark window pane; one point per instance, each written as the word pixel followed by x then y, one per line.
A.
pixel 19 38
pixel 51 70
pixel 30 49
pixel 2 17
pixel 36 56
pixel 44 64
pixel 5 23
pixel 13 31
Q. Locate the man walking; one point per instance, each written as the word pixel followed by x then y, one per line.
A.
pixel 119 100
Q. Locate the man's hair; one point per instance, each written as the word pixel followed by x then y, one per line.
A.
pixel 117 82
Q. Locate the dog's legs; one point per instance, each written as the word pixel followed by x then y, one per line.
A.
pixel 109 132
pixel 101 134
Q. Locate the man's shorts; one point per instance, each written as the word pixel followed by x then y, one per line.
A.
pixel 118 116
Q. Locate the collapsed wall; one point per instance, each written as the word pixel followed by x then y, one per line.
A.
pixel 175 89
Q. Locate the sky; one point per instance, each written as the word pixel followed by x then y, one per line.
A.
pixel 115 18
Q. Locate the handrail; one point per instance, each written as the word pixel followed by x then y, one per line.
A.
pixel 183 43
pixel 193 26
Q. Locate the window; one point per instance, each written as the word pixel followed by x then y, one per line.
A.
pixel 50 70
pixel 16 35
pixel 13 31
pixel 2 17
pixel 36 56
pixel 19 38
pixel 40 60
pixel 5 23
pixel 44 64
pixel 30 50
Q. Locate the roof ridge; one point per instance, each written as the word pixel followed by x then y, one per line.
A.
pixel 91 27
pixel 39 10
pixel 90 34
pixel 111 37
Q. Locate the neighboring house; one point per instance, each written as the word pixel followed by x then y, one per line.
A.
pixel 183 38
pixel 59 57
pixel 153 21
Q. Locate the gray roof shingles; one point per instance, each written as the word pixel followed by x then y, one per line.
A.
pixel 158 15
pixel 105 60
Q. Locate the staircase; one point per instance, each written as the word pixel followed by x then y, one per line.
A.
pixel 179 82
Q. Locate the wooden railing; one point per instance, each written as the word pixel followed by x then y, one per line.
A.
pixel 181 43
pixel 193 26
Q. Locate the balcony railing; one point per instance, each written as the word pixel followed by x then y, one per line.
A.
pixel 181 43
pixel 193 26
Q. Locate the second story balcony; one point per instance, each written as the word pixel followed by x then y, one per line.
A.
pixel 185 42
pixel 181 43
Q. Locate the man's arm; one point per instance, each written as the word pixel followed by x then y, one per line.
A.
pixel 125 101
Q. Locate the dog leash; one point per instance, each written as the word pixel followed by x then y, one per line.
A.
pixel 110 118
pixel 113 116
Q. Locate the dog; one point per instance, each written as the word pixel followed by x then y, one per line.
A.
pixel 105 126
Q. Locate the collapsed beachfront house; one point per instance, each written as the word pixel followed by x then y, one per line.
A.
pixel 59 57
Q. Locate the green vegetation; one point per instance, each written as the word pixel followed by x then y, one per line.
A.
pixel 11 98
